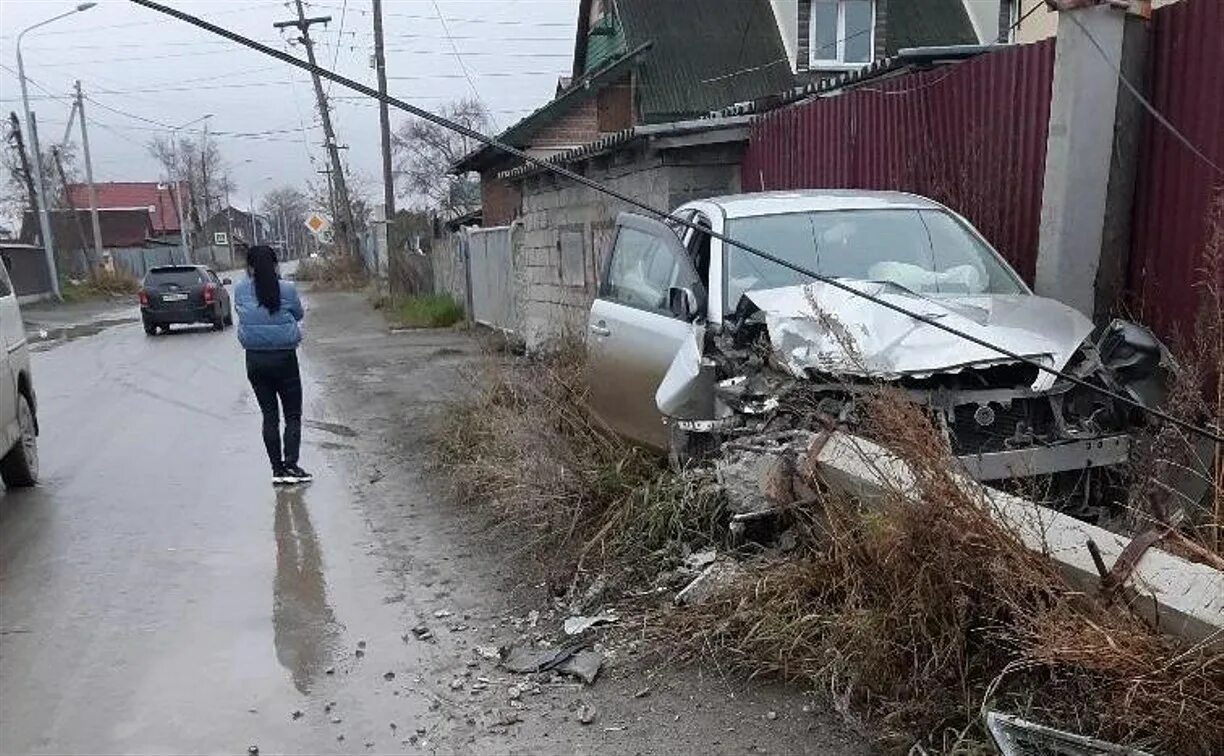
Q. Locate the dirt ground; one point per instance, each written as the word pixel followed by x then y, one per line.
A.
pixel 441 565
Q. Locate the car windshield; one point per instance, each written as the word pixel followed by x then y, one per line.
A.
pixel 183 278
pixel 923 251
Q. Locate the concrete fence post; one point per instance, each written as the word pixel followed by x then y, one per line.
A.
pixel 1092 154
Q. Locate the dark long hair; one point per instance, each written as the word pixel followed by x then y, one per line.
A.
pixel 261 260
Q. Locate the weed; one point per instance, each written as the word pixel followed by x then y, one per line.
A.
pixel 333 272
pixel 424 311
pixel 102 284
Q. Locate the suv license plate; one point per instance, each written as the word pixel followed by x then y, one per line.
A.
pixel 173 297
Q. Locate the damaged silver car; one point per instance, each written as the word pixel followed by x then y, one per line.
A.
pixel 694 342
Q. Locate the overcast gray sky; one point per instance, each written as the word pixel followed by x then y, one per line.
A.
pixel 144 69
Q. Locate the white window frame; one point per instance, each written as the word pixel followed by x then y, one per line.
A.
pixel 838 63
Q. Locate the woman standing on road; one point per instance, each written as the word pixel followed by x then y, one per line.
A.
pixel 268 313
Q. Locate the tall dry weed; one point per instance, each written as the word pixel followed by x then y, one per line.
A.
pixel 922 611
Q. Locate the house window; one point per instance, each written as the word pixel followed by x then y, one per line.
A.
pixel 841 33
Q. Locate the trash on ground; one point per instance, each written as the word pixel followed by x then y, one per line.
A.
pixel 492 653
pixel 586 714
pixel 580 624
pixel 584 665
pixel 523 659
pixel 713 579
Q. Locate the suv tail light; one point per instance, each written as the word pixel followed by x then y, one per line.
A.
pixel 210 292
pixel 143 296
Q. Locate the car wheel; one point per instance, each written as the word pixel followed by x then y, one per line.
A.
pixel 19 468
pixel 686 448
pixel 229 319
pixel 150 328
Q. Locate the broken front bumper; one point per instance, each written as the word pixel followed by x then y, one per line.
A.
pixel 1044 460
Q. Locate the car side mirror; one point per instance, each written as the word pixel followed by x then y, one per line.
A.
pixel 683 303
pixel 226 282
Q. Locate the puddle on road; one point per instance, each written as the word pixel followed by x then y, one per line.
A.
pixel 333 428
pixel 48 338
pixel 305 631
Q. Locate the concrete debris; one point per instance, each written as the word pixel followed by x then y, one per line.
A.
pixel 524 660
pixel 253 750
pixel 442 613
pixel 422 632
pixel 712 580
pixel 491 653
pixel 580 624
pixel 586 714
pixel 584 665
pixel 699 560
pixel 505 717
pixel 329 671
pixel 771 716
pixel 642 693
pixel 457 683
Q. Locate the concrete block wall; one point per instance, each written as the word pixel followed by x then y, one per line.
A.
pixel 550 309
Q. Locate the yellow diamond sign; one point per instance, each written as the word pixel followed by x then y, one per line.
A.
pixel 317 223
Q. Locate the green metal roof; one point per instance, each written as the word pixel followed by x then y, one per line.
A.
pixel 705 55
pixel 928 22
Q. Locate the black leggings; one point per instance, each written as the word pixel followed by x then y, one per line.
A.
pixel 272 375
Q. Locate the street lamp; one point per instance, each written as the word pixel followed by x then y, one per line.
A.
pixel 174 184
pixel 44 219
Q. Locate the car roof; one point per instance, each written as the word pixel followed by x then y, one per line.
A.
pixel 815 200
pixel 175 268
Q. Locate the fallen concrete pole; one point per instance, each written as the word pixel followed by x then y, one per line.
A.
pixel 1183 598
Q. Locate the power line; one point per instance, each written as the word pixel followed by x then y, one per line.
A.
pixel 466 74
pixel 339 39
pixel 632 201
pixel 1143 100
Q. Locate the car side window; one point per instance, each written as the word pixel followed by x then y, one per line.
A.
pixel 212 276
pixel 641 272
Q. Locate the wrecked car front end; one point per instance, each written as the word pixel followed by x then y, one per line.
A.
pixel 803 358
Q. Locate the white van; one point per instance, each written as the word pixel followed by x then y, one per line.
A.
pixel 18 408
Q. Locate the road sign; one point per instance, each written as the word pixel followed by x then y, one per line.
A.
pixel 317 223
pixel 220 238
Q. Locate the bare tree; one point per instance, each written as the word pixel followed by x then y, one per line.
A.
pixel 287 208
pixel 16 199
pixel 425 152
pixel 201 165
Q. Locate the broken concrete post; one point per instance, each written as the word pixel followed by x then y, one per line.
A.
pixel 1092 151
pixel 1187 599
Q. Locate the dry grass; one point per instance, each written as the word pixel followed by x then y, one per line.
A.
pixel 101 284
pixel 925 611
pixel 527 447
pixel 915 616
pixel 333 272
pixel 1166 453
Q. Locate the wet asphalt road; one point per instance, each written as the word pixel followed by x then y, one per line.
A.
pixel 156 593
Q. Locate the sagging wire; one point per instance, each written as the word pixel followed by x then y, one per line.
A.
pixel 665 215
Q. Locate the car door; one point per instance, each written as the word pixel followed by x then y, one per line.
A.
pixel 632 334
pixel 12 334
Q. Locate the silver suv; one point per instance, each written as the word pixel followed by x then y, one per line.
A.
pixel 18 407
pixel 692 341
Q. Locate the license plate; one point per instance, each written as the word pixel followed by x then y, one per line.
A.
pixel 173 297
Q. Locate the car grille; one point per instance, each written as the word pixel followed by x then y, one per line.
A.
pixel 1033 416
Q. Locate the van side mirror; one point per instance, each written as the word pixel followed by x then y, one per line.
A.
pixel 226 282
pixel 683 303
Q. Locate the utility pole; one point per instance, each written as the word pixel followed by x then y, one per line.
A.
pixel 384 116
pixel 345 219
pixel 93 190
pixel 76 216
pixel 44 208
pixel 331 192
pixel 32 195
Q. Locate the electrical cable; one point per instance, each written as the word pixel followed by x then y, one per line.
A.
pixel 665 215
pixel 1143 100
pixel 462 65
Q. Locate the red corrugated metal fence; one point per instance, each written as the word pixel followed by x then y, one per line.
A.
pixel 1175 187
pixel 971 135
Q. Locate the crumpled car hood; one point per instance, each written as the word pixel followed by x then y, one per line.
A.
pixel 849 335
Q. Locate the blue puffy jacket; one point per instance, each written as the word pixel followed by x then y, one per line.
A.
pixel 263 331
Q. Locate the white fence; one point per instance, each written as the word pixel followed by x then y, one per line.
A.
pixel 489 254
